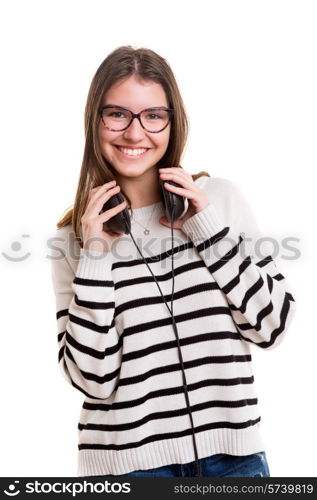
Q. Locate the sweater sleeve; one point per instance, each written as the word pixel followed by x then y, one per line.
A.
pixel 89 346
pixel 239 259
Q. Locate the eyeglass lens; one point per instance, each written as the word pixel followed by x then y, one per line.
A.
pixel 152 120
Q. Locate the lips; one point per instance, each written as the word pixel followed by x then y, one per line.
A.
pixel 128 152
pixel 129 147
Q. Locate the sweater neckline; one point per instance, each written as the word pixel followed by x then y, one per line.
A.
pixel 146 211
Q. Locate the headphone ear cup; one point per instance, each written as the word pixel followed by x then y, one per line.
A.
pixel 121 222
pixel 172 200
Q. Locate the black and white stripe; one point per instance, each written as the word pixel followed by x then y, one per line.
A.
pixel 117 346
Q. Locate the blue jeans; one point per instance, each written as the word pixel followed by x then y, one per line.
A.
pixel 220 465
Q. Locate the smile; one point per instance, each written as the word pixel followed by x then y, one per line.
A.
pixel 134 153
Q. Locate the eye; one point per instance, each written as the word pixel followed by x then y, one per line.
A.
pixel 153 116
pixel 116 114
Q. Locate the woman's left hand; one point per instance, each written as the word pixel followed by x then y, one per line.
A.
pixel 197 198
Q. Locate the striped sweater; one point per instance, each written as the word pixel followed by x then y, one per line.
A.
pixel 117 346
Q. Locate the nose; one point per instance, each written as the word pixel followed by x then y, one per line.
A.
pixel 135 131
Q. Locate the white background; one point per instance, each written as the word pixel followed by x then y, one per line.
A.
pixel 247 74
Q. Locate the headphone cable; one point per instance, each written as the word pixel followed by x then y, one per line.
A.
pixel 198 465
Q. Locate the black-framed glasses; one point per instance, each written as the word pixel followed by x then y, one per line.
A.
pixel 154 120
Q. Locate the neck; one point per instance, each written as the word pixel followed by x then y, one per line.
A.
pixel 143 190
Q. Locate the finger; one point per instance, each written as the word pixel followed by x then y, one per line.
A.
pixel 96 203
pixel 177 170
pixel 177 224
pixel 92 193
pixel 179 180
pixel 95 193
pixel 96 188
pixel 112 211
pixel 187 193
pixel 177 175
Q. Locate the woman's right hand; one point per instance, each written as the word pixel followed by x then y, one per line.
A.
pixel 94 238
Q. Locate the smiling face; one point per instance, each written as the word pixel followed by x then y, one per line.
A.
pixel 135 95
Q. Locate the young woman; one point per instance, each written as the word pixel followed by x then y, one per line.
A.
pixel 157 403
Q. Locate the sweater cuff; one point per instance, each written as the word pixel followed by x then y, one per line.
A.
pixel 203 225
pixel 94 265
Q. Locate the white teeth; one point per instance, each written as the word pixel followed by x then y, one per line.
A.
pixel 132 152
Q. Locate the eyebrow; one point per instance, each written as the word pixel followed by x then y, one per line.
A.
pixel 123 107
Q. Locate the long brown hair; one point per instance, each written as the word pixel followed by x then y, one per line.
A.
pixel 95 169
